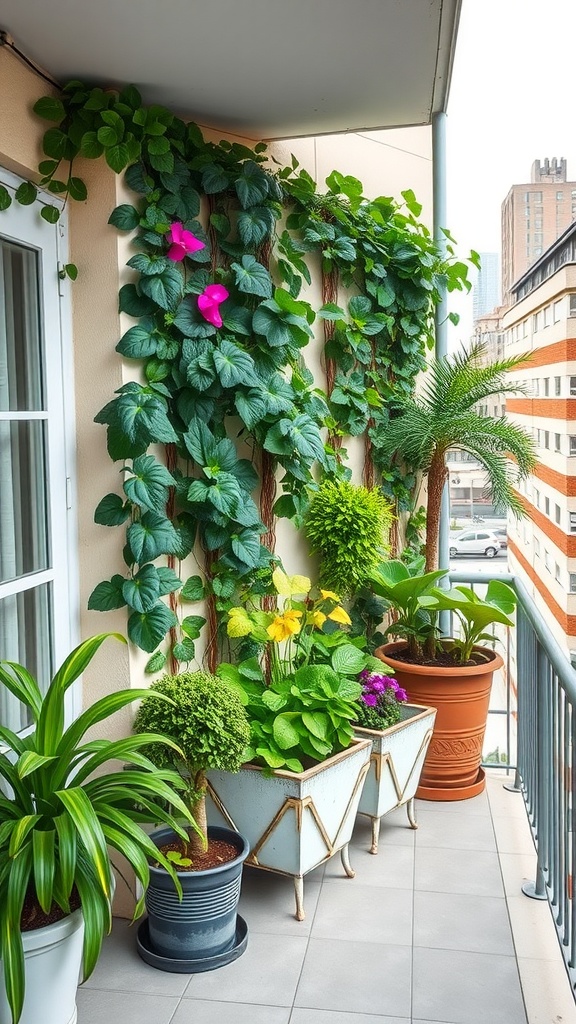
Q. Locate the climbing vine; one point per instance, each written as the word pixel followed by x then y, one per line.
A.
pixel 224 246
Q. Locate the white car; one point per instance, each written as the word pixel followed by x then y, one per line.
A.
pixel 474 542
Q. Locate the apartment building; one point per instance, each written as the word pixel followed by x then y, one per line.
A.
pixel 542 323
pixel 534 215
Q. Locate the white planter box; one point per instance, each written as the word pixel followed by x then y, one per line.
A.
pixel 53 960
pixel 293 822
pixel 397 757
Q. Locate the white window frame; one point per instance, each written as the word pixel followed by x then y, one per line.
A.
pixel 23 226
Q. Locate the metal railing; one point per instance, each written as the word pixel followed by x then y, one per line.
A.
pixel 541 703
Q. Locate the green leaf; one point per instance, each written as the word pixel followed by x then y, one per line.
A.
pixel 71 271
pixel 185 650
pixel 255 224
pixel 169 581
pixel 117 156
pixel 193 589
pixel 152 536
pixel 285 731
pixel 246 547
pixel 148 487
pixel 137 178
pixel 125 217
pixel 155 663
pixel 233 365
pixel 251 407
pixel 142 591
pixel 192 625
pixel 252 186
pixel 50 214
pixel 56 144
pixel 348 660
pixel 26 193
pixel 50 108
pixel 5 198
pixel 252 278
pixel 111 511
pixel 140 341
pixel 214 179
pixel 143 418
pixel 148 629
pixel 107 595
pixel 130 301
pixel 330 311
pixel 90 146
pixel 77 189
pixel 164 289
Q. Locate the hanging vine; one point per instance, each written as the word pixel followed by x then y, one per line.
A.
pixel 221 333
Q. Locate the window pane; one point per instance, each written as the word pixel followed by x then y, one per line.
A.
pixel 23 507
pixel 25 637
pixel 20 343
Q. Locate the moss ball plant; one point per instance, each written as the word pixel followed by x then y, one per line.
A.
pixel 347 525
pixel 210 725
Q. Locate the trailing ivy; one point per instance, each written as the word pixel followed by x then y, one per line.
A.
pixel 220 335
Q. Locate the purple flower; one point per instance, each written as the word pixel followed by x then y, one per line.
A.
pixel 370 699
pixel 401 694
pixel 377 685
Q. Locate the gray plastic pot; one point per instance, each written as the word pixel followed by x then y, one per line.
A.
pixel 203 925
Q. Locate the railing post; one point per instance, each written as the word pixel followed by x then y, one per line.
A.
pixel 536 890
pixel 522 678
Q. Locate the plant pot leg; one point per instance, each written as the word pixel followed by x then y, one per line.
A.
pixel 411 812
pixel 345 858
pixel 299 894
pixel 375 822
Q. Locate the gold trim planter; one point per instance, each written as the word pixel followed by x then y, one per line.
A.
pixel 293 822
pixel 395 764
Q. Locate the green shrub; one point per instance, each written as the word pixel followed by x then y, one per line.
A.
pixel 347 525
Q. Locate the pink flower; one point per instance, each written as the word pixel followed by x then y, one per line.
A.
pixel 209 303
pixel 370 699
pixel 182 242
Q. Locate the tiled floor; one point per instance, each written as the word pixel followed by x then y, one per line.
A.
pixel 422 935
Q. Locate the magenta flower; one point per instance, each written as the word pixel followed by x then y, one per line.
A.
pixel 182 242
pixel 370 699
pixel 209 303
pixel 401 694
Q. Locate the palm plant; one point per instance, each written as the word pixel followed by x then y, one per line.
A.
pixel 60 818
pixel 443 417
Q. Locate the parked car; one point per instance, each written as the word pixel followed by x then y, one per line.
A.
pixel 474 542
pixel 502 535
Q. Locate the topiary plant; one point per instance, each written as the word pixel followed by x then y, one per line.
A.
pixel 347 526
pixel 213 731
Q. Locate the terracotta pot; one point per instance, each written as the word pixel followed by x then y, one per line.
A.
pixel 452 769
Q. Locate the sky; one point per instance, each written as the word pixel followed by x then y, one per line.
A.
pixel 512 101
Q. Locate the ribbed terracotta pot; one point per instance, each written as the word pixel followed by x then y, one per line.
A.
pixel 452 769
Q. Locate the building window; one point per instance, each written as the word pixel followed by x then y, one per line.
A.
pixel 35 602
pixel 557 311
pixel 536 387
pixel 524 328
pixel 557 386
pixel 572 308
pixel 559 197
pixel 557 447
pixel 572 386
pixel 546 385
pixel 536 319
pixel 572 445
pixel 557 572
pixel 537 548
pixel 572 516
pixel 547 439
pixel 572 582
pixel 537 497
pixel 557 513
pixel 546 560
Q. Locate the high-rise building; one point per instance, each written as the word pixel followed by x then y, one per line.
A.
pixel 542 321
pixel 486 291
pixel 534 215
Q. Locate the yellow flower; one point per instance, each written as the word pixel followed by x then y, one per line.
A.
pixel 284 625
pixel 338 614
pixel 317 618
pixel 329 594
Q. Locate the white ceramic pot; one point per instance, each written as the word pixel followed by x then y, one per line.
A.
pixel 293 821
pixel 53 962
pixel 396 762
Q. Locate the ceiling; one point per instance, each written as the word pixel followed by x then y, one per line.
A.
pixel 267 69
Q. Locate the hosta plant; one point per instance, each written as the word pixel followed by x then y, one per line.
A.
pixel 60 818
